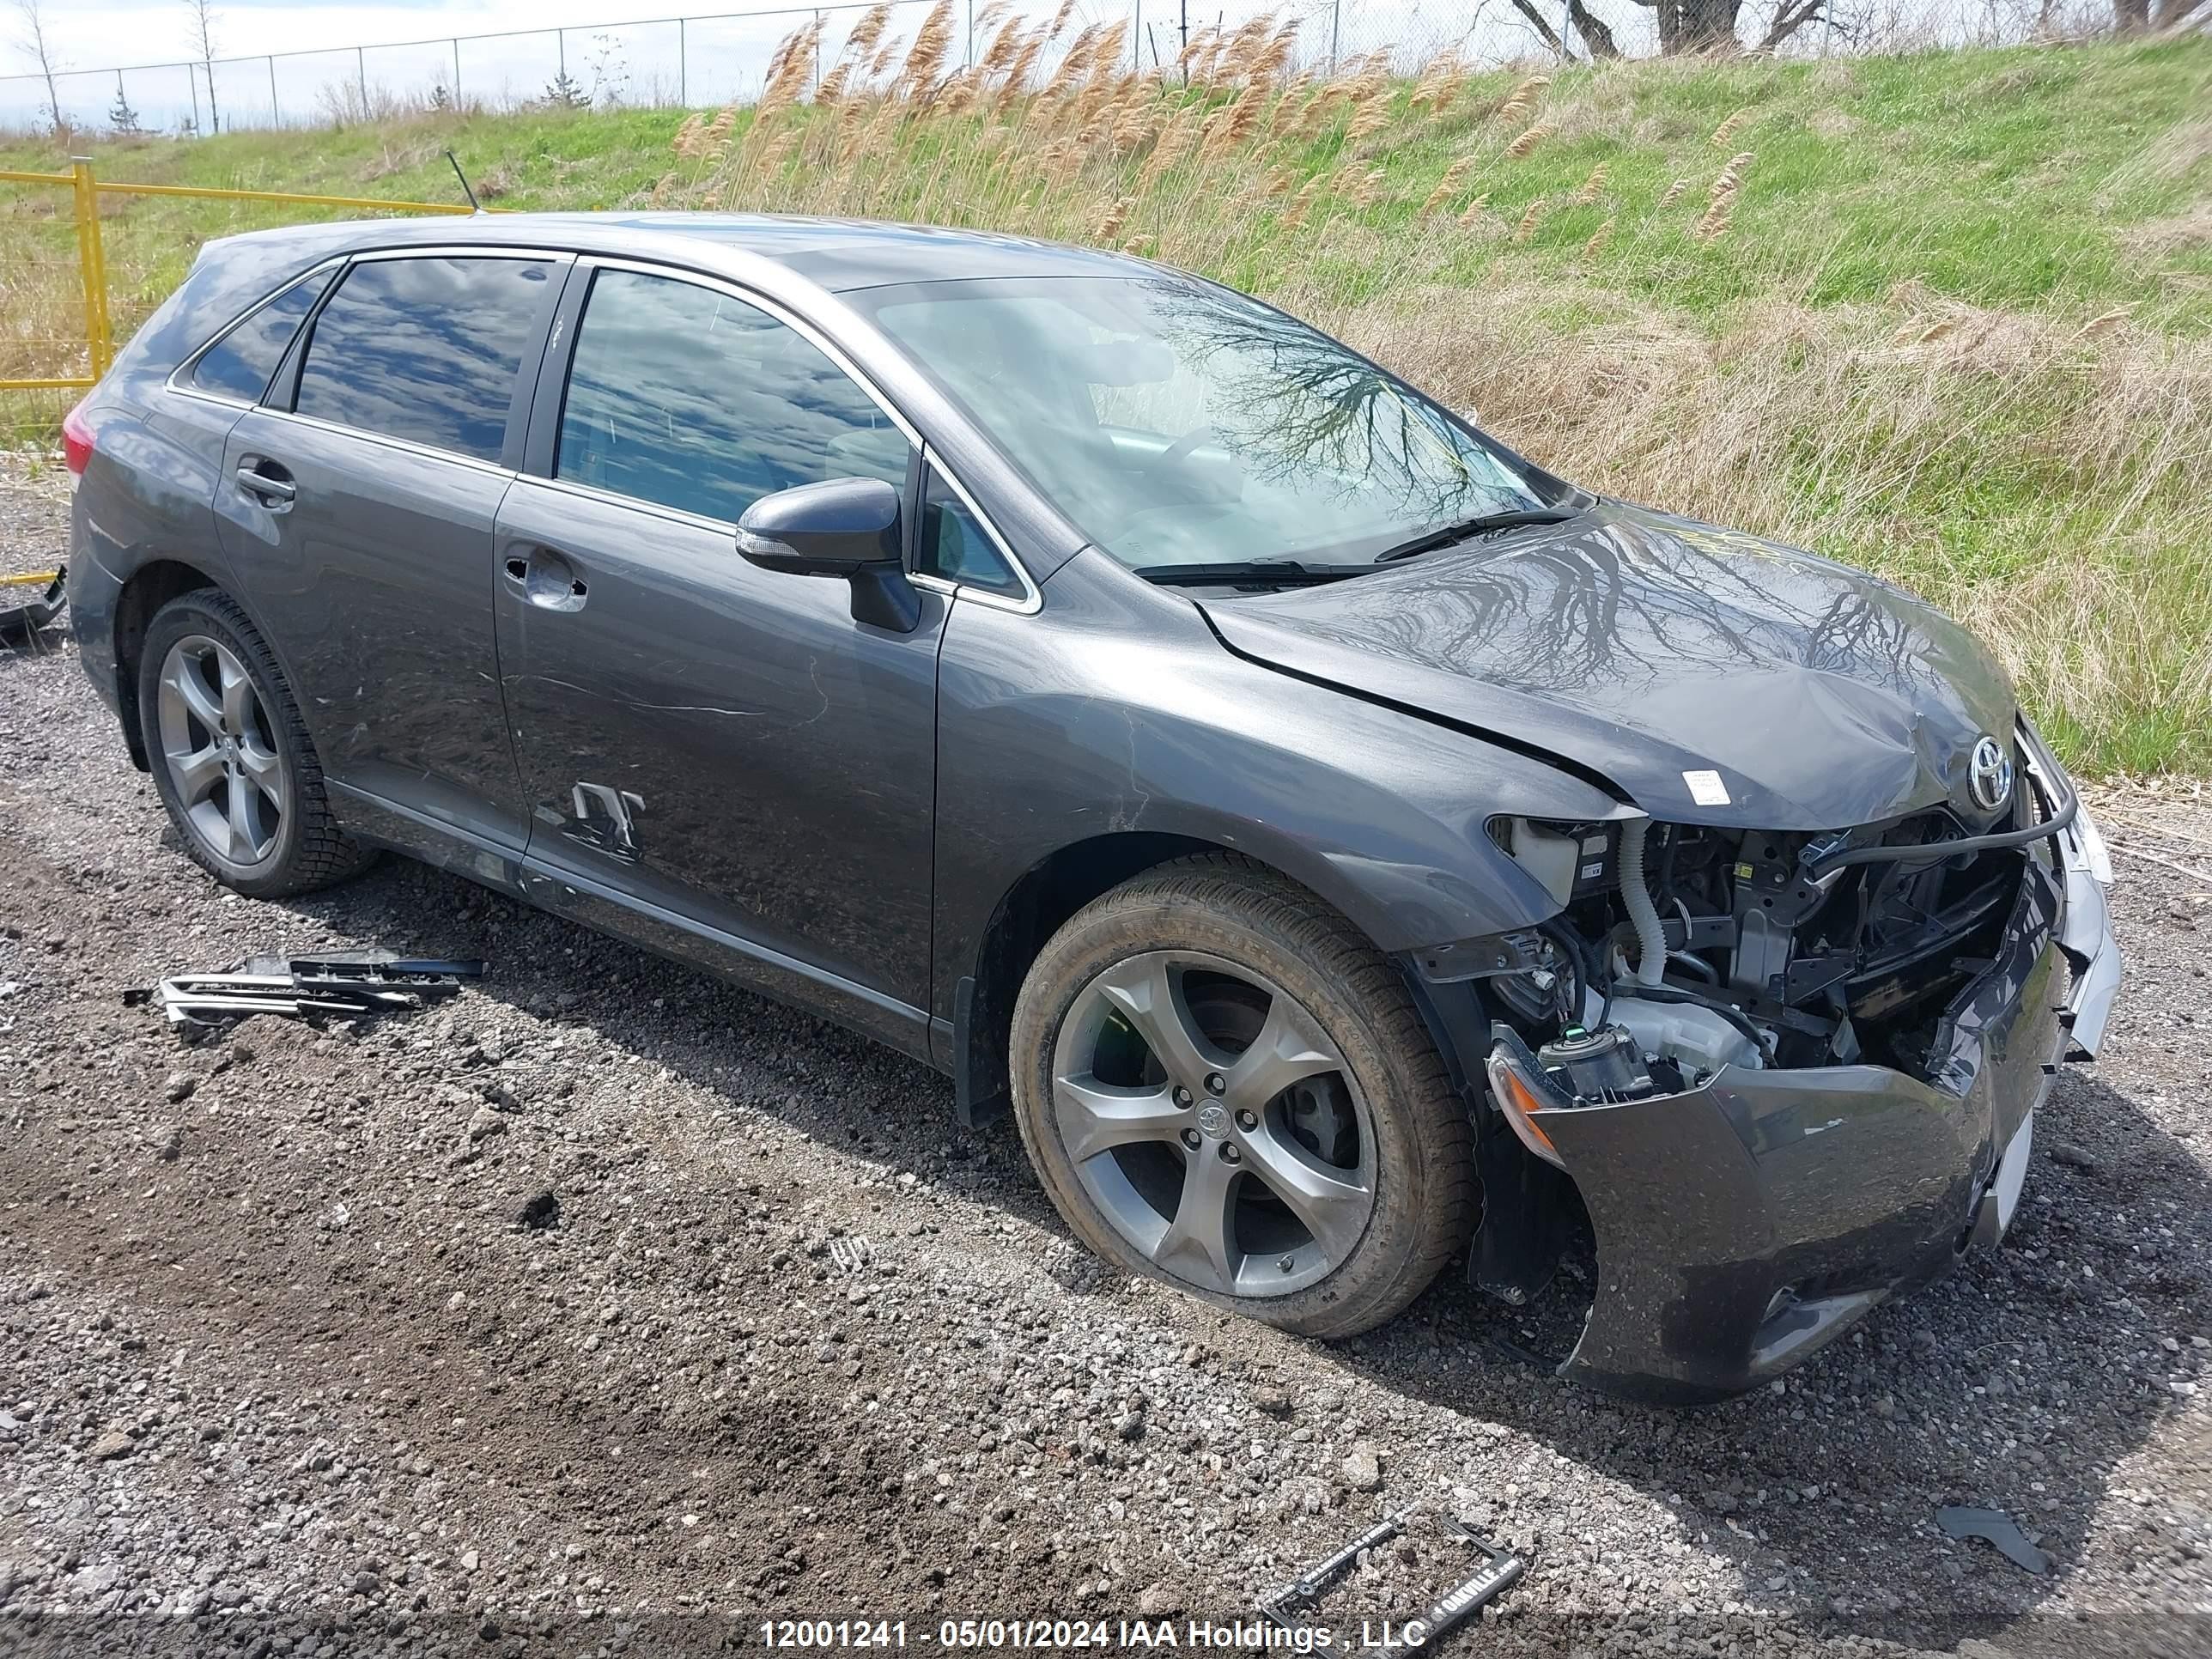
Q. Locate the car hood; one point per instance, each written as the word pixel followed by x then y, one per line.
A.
pixel 1653 650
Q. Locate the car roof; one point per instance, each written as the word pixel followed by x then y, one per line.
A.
pixel 836 254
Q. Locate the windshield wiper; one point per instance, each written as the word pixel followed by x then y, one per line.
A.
pixel 1240 573
pixel 1431 541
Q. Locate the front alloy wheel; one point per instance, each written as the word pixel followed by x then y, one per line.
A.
pixel 1222 1085
pixel 1214 1124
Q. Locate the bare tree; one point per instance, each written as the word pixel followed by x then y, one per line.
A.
pixel 1596 35
pixel 1545 32
pixel 1709 26
pixel 1789 16
pixel 202 41
pixel 33 41
pixel 2172 14
pixel 1690 26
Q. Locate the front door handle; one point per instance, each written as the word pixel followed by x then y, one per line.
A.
pixel 267 483
pixel 547 580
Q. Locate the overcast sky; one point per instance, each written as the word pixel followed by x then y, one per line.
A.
pixel 315 64
pixel 95 33
pixel 314 41
pixel 315 71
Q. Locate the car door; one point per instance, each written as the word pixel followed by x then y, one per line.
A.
pixel 357 503
pixel 717 758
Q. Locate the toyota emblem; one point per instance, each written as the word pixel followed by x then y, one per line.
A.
pixel 1988 775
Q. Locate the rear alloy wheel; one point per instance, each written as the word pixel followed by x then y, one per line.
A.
pixel 1222 1084
pixel 223 763
pixel 230 755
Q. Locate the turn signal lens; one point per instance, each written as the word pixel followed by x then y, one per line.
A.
pixel 1520 1105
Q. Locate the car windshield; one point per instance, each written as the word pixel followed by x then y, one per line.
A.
pixel 1176 423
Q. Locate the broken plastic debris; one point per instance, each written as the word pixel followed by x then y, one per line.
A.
pixel 26 616
pixel 1500 1570
pixel 1964 1522
pixel 374 982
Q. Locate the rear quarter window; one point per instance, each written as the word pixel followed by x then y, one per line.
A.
pixel 428 348
pixel 238 364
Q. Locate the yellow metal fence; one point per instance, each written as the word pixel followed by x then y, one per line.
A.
pixel 86 191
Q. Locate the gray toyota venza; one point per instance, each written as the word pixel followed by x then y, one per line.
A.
pixel 1343 847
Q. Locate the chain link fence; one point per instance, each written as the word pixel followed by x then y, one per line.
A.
pixel 710 60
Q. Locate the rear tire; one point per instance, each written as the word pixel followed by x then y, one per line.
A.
pixel 230 756
pixel 1149 1041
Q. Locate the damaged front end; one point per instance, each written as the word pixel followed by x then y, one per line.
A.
pixel 1790 1075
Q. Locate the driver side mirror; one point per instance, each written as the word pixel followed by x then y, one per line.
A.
pixel 843 527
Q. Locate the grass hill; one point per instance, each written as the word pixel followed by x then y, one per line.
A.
pixel 1947 316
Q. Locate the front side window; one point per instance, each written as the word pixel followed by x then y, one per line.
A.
pixel 427 348
pixel 239 365
pixel 1178 422
pixel 686 397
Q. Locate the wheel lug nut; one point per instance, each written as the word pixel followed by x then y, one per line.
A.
pixel 1246 1121
pixel 1215 1083
pixel 1182 1096
pixel 1230 1154
pixel 1285 1263
pixel 1190 1138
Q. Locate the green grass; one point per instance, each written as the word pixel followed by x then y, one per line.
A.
pixel 1959 328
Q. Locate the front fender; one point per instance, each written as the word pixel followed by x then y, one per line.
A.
pixel 1087 721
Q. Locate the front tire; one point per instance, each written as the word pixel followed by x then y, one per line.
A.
pixel 1222 1085
pixel 230 755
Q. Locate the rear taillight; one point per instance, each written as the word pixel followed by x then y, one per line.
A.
pixel 76 441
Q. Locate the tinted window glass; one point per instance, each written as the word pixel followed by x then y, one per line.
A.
pixel 425 349
pixel 955 547
pixel 239 365
pixel 692 400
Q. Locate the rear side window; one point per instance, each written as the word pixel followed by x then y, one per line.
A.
pixel 429 349
pixel 687 398
pixel 239 365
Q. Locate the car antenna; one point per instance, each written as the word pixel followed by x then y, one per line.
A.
pixel 474 206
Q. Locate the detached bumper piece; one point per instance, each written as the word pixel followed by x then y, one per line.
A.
pixel 20 616
pixel 1742 1225
pixel 307 987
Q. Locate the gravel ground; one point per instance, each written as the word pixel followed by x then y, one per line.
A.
pixel 608 1307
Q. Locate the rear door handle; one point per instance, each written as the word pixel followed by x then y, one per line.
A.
pixel 267 483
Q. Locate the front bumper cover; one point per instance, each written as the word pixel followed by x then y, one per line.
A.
pixel 1796 1201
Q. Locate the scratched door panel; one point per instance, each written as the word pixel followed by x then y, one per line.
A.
pixel 720 741
pixel 371 573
